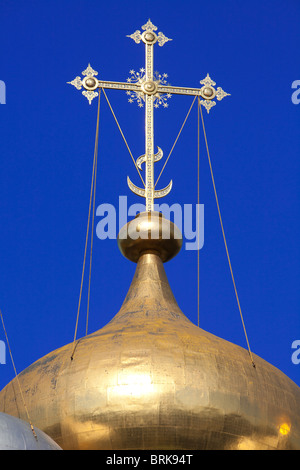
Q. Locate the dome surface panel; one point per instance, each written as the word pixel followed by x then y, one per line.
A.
pixel 151 379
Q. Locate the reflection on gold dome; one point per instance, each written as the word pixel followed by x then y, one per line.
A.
pixel 284 429
pixel 136 385
pixel 150 379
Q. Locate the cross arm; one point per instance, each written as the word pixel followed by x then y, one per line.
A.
pixel 207 92
pixel 90 84
pixel 142 87
pixel 119 85
pixel 179 90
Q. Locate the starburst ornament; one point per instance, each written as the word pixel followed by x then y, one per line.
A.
pixel 140 77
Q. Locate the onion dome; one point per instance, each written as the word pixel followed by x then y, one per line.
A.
pixel 151 379
pixel 16 434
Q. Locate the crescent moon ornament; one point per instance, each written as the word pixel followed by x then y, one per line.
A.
pixel 142 192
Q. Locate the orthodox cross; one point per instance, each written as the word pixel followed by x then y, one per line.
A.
pixel 151 88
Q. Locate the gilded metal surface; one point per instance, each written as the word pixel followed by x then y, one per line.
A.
pixel 150 232
pixel 149 36
pixel 150 379
pixel 16 434
pixel 149 87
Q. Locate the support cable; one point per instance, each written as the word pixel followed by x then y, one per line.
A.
pixel 88 223
pixel 198 224
pixel 17 378
pixel 167 159
pixel 92 239
pixel 223 233
pixel 119 127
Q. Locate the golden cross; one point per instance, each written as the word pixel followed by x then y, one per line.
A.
pixel 149 87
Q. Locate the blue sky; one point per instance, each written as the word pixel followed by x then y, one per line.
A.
pixel 251 50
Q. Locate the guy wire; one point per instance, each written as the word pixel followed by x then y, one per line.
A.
pixel 223 233
pixel 17 378
pixel 88 223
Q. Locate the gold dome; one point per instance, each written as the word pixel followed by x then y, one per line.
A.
pixel 150 379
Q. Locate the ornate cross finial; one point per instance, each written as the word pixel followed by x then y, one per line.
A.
pixel 148 35
pixel 151 88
